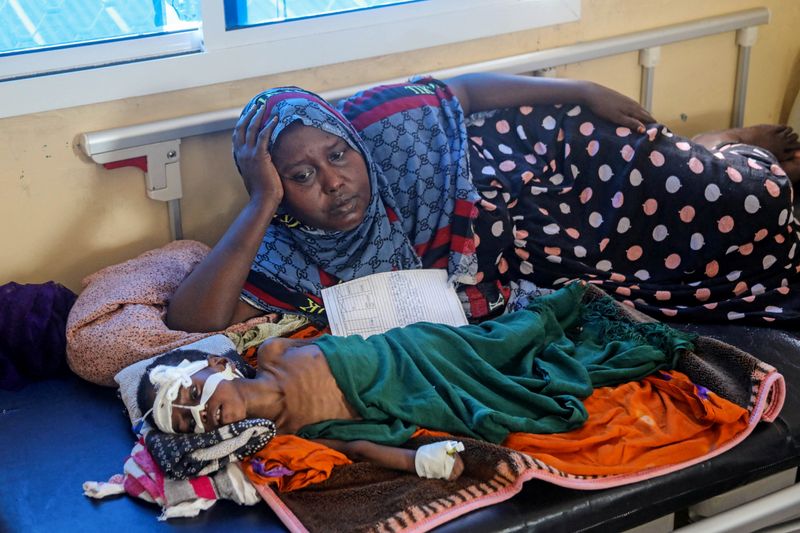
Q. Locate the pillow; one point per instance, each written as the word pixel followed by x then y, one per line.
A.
pixel 129 377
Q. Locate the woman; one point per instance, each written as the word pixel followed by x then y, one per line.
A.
pixel 427 174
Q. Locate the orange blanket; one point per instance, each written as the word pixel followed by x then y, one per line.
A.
pixel 292 463
pixel 663 419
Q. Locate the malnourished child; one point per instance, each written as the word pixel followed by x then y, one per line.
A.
pixel 526 371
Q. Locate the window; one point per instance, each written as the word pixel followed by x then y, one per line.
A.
pixel 110 49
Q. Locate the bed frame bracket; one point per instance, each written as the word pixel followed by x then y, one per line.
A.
pixel 161 163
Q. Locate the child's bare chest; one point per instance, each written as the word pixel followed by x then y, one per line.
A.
pixel 310 391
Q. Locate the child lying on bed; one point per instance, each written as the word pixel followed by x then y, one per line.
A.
pixel 523 372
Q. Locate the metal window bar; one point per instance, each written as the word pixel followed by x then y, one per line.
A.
pixel 158 141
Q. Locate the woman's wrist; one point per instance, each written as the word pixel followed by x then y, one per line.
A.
pixel 584 90
pixel 265 201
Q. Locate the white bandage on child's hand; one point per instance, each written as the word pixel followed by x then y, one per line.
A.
pixel 435 461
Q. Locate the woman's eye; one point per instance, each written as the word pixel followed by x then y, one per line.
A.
pixel 337 156
pixel 302 177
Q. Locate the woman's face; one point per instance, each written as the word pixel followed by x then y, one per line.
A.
pixel 325 181
pixel 224 407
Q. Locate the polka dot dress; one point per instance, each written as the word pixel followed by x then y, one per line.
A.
pixel 661 223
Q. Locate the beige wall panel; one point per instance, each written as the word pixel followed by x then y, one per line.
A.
pixel 65 217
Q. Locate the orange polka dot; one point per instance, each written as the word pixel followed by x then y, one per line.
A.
pixel 657 158
pixel 669 312
pixel 712 305
pixel 624 291
pixel 746 249
pixel 572 232
pixel 712 269
pixel 552 250
pixel 751 298
pixel 740 288
pixel 634 253
pixel 772 188
pixel 734 175
pixel 779 238
pixel 522 253
pixel 502 126
pixel 783 290
pixel 488 205
pixel 650 206
pixel 616 276
pixel 544 211
pixel 672 261
pixel 686 213
pixel 521 234
pixel 663 295
pixel 725 224
pixel 586 195
pixel 502 265
pixel 702 294
pixel 628 303
pixel 603 244
pixel 760 234
pixel 527 176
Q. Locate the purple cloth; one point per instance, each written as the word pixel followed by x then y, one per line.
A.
pixel 33 320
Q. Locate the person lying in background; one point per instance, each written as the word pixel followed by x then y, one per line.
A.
pixel 522 372
pixel 498 179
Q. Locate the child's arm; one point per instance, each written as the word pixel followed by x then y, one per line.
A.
pixel 385 456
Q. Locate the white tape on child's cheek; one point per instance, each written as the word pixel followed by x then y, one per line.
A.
pixel 435 461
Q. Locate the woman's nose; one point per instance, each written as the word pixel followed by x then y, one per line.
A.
pixel 331 181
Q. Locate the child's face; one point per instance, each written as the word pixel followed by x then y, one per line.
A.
pixel 225 406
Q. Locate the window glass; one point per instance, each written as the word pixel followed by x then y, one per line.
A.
pixel 31 25
pixel 243 13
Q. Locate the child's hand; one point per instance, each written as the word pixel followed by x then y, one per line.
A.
pixel 458 468
pixel 439 460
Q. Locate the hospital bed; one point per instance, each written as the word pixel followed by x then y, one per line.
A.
pixel 56 434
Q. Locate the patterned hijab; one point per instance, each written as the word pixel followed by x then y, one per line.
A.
pixel 306 259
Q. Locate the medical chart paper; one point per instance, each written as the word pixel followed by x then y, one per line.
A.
pixel 380 302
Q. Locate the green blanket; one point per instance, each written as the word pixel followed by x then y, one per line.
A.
pixel 523 372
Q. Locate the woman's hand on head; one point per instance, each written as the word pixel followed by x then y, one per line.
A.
pixel 617 108
pixel 252 157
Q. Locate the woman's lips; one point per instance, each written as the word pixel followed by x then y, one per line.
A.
pixel 344 207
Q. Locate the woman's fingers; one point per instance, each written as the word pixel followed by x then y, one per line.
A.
pixel 239 131
pixel 254 126
pixel 265 134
